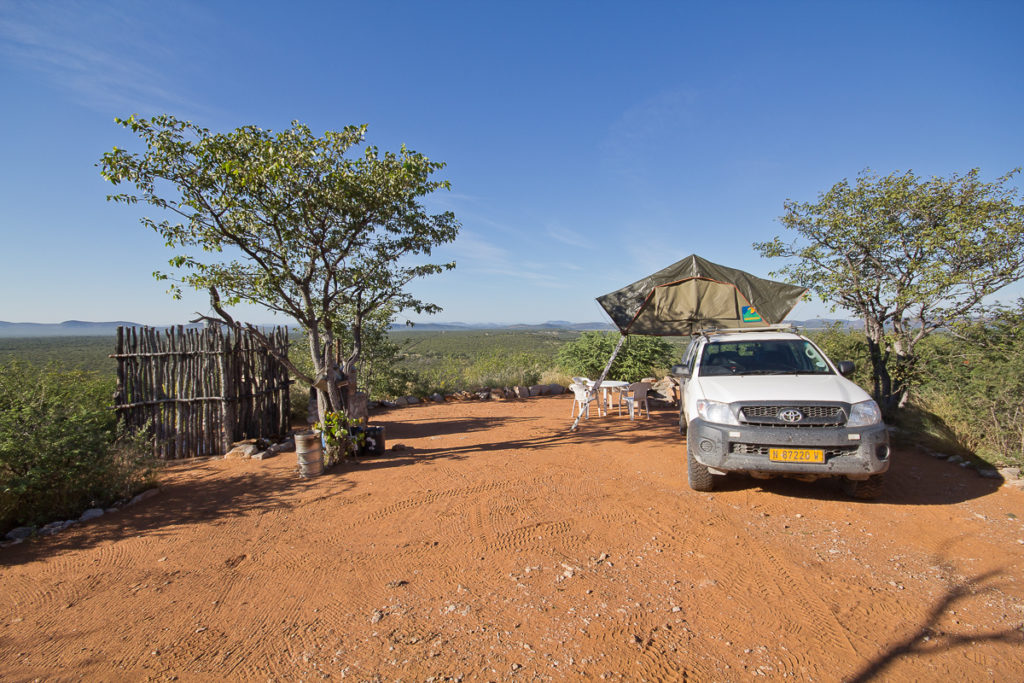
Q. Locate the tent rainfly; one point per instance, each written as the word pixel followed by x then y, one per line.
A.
pixel 695 294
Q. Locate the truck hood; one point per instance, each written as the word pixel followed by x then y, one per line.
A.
pixel 781 388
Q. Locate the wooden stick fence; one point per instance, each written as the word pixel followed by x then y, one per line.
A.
pixel 200 390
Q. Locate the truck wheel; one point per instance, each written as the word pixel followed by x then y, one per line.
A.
pixel 699 476
pixel 869 489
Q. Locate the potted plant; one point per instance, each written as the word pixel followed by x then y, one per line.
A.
pixel 342 436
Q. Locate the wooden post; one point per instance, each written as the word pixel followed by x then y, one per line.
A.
pixel 227 388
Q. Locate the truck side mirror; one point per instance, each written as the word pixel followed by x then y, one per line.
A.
pixel 681 371
pixel 845 367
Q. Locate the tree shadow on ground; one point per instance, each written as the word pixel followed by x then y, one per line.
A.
pixel 931 638
pixel 198 496
pixel 422 427
pixel 606 430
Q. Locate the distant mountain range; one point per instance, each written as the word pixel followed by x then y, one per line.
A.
pixel 80 328
pixel 550 325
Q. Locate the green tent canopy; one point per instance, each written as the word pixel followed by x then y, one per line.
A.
pixel 695 294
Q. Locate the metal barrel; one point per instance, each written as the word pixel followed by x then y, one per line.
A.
pixel 375 440
pixel 310 455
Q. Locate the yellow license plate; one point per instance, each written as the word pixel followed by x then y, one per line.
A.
pixel 796 455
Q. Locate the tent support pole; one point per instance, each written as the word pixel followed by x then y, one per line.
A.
pixel 592 396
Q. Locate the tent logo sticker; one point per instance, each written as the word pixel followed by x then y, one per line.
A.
pixel 750 315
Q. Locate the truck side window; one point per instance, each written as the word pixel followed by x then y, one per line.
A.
pixel 691 355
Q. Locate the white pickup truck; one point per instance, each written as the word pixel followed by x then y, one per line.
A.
pixel 770 403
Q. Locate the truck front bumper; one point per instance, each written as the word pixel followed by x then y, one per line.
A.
pixel 856 453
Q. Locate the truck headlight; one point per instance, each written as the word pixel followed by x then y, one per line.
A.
pixel 716 411
pixel 864 414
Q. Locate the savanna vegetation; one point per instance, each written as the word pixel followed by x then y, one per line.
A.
pixel 60 448
pixel 60 451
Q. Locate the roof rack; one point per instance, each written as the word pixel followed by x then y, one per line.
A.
pixel 763 328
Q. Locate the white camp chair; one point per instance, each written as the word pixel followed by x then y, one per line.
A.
pixel 581 399
pixel 635 395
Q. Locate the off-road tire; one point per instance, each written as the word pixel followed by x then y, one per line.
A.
pixel 868 489
pixel 699 476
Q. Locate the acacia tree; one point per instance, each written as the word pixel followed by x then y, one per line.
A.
pixel 907 255
pixel 288 221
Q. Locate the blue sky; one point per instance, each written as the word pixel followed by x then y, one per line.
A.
pixel 588 143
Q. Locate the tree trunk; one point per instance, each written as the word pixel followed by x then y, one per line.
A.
pixel 881 380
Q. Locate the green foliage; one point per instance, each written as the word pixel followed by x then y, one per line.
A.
pixel 975 384
pixel 341 442
pixel 840 343
pixel 470 344
pixel 970 397
pixel 639 357
pixel 498 369
pixel 296 223
pixel 59 448
pixel 77 353
pixel 906 254
pixel 448 361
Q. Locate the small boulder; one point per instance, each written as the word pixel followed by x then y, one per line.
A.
pixel 437 398
pixel 522 392
pixel 411 400
pixel 20 533
pixel 51 528
pixel 555 389
pixel 663 390
pixel 91 513
pixel 143 496
pixel 243 449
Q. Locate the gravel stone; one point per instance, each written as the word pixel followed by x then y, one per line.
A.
pixel 91 513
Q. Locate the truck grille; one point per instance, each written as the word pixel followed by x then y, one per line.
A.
pixel 760 449
pixel 812 416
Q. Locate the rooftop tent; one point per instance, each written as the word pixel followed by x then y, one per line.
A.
pixel 695 294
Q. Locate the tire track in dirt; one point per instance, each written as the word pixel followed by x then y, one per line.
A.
pixel 781 590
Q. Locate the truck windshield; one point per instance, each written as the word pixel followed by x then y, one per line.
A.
pixel 765 357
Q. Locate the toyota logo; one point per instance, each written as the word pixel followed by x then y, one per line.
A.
pixel 790 415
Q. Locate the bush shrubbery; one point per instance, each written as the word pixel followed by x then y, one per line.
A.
pixel 970 390
pixel 974 382
pixel 639 357
pixel 59 451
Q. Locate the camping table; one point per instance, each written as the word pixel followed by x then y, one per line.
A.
pixel 608 386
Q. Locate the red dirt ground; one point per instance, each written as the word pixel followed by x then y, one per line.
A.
pixel 502 547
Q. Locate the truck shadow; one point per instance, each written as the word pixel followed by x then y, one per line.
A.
pixel 913 479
